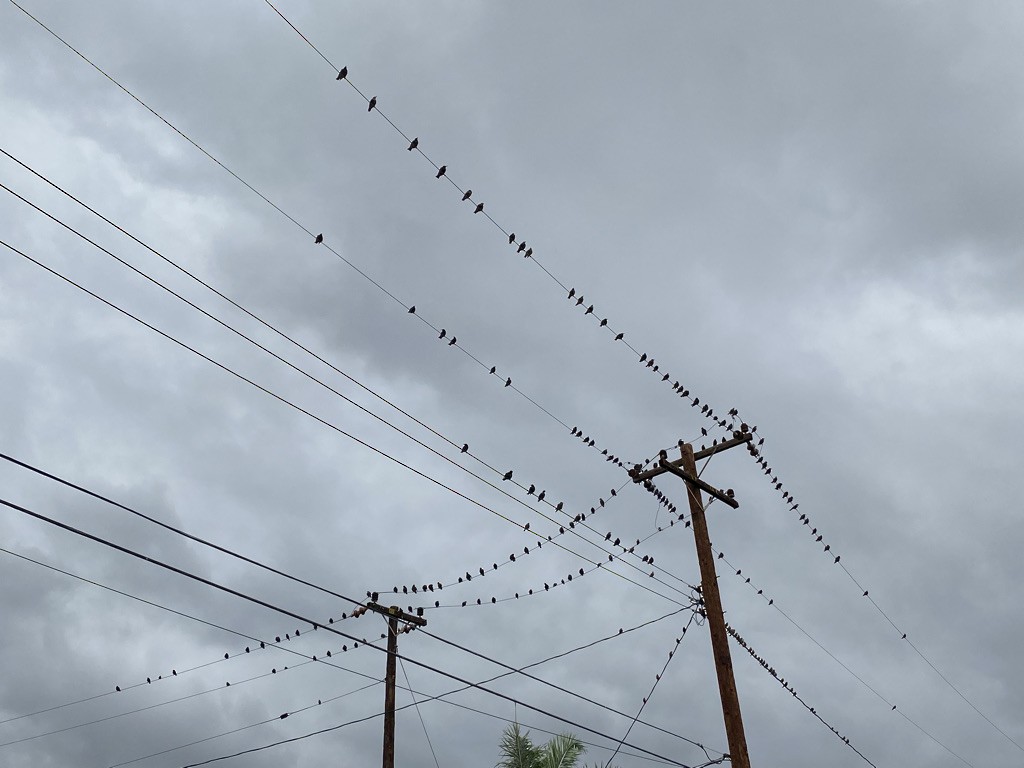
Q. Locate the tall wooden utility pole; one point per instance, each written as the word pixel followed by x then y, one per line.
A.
pixel 686 469
pixel 394 614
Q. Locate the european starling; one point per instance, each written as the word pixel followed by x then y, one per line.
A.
pixel 479 208
pixel 508 475
pixel 468 194
pixel 441 171
pixel 413 144
pixel 373 103
pixel 342 74
pixel 318 239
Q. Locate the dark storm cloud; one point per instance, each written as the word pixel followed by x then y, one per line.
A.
pixel 806 211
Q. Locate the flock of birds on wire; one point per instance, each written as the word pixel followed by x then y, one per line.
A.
pixel 649 363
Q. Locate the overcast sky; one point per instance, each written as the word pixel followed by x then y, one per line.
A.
pixel 806 211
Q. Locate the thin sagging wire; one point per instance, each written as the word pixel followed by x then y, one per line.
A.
pixel 338 429
pixel 286 612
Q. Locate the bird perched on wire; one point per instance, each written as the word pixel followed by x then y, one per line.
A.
pixel 442 334
pixel 342 74
pixel 441 171
pixel 318 239
pixel 479 208
pixel 414 143
pixel 373 103
pixel 468 194
pixel 508 475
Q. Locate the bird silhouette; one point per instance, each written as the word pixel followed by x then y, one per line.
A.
pixel 604 322
pixel 526 527
pixel 493 369
pixel 579 301
pixel 508 382
pixel 373 103
pixel 412 310
pixel 590 310
pixel 540 496
pixel 572 292
pixel 479 208
pixel 452 342
pixel 465 447
pixel 442 334
pixel 468 194
pixel 342 74
pixel 619 337
pixel 528 254
pixel 414 143
pixel 531 489
pixel 508 475
pixel 441 171
pixel 318 239
pixel 522 247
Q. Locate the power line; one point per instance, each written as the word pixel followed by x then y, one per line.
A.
pixel 175 671
pixel 506 476
pixel 892 707
pixel 332 426
pixel 286 612
pixel 757 454
pixel 771 670
pixel 647 698
pixel 467 195
pixel 407 308
pixel 419 713
pixel 307 658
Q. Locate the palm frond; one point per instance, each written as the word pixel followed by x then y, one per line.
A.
pixel 562 751
pixel 517 751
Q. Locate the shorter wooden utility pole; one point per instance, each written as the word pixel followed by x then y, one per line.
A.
pixel 686 469
pixel 394 614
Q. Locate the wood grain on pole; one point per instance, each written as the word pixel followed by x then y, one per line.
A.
pixel 389 694
pixel 716 621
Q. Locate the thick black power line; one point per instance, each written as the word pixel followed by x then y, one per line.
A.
pixel 307 658
pixel 281 573
pixel 286 612
pixel 178 670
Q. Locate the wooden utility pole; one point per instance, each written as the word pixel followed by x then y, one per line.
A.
pixel 686 469
pixel 394 614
